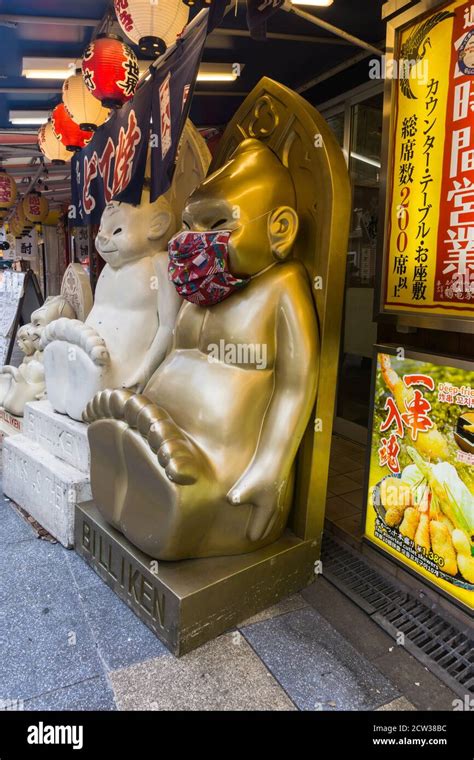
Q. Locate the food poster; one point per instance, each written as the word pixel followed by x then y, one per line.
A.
pixel 429 248
pixel 420 505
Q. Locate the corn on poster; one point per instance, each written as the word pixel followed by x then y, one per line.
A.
pixel 429 258
pixel 421 479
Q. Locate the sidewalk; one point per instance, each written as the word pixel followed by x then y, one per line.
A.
pixel 68 643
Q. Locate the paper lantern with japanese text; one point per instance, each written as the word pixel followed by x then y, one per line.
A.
pixel 110 70
pixel 70 133
pixel 36 207
pixel 8 190
pixel 51 146
pixel 153 26
pixel 81 105
pixel 17 222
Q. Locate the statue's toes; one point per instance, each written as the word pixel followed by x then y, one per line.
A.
pixel 134 405
pixel 182 469
pixel 172 448
pixel 117 402
pixel 164 430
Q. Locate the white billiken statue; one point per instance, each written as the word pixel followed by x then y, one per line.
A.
pixel 129 329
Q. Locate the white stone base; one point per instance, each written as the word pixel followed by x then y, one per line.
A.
pixel 45 486
pixel 58 434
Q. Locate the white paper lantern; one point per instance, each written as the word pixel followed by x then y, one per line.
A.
pixel 81 105
pixel 152 24
pixel 51 146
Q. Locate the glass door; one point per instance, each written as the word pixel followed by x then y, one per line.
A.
pixel 357 124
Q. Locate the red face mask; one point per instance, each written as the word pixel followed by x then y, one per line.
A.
pixel 199 266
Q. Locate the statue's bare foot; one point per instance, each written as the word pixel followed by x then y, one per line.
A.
pixel 108 470
pixel 137 443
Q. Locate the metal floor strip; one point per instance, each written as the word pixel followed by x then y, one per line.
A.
pixel 445 650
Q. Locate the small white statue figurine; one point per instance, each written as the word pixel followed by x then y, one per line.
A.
pixel 18 385
pixel 128 332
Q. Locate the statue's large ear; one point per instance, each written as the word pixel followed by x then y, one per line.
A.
pixel 282 231
pixel 162 222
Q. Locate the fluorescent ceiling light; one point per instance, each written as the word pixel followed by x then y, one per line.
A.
pixel 219 72
pixel 28 118
pixel 366 160
pixel 315 3
pixel 61 68
pixel 48 68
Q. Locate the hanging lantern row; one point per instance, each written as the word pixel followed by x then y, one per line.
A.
pixel 110 70
pixel 8 191
pixel 152 26
pixel 70 133
pixel 36 207
pixel 81 105
pixel 51 146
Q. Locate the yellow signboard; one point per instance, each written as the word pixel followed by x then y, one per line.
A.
pixel 420 501
pixel 429 257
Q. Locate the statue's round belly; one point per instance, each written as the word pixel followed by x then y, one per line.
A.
pixel 219 405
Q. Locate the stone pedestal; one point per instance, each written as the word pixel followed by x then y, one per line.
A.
pixel 9 425
pixel 46 469
pixel 189 602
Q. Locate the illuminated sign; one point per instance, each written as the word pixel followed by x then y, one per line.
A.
pixel 429 256
pixel 420 501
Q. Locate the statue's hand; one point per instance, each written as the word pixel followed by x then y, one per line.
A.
pixel 263 494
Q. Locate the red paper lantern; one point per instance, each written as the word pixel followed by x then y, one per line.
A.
pixel 66 130
pixel 110 70
pixel 8 190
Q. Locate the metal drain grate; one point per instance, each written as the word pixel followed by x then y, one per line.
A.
pixel 444 649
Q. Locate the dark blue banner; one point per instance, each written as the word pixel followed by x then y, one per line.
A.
pixel 112 165
pixel 175 79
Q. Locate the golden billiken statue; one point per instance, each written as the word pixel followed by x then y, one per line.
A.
pixel 202 463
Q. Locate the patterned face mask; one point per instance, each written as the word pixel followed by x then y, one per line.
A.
pixel 199 266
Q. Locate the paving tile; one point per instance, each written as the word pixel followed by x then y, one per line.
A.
pixel 341 463
pixel 337 509
pixel 351 525
pixel 339 484
pixel 347 618
pixel 358 476
pixel 121 637
pixel 35 584
pixel 12 527
pixel 31 553
pixel 94 694
pixel 423 689
pixel 82 573
pixel 398 705
pixel 295 602
pixel 355 497
pixel 45 647
pixel 224 674
pixel 316 666
pixel 353 451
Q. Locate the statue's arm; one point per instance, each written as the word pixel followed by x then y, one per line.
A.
pixel 168 305
pixel 296 375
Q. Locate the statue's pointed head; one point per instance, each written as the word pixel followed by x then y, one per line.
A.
pixel 128 232
pixel 253 195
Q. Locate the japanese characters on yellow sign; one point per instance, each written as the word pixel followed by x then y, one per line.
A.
pixel 429 265
pixel 420 501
